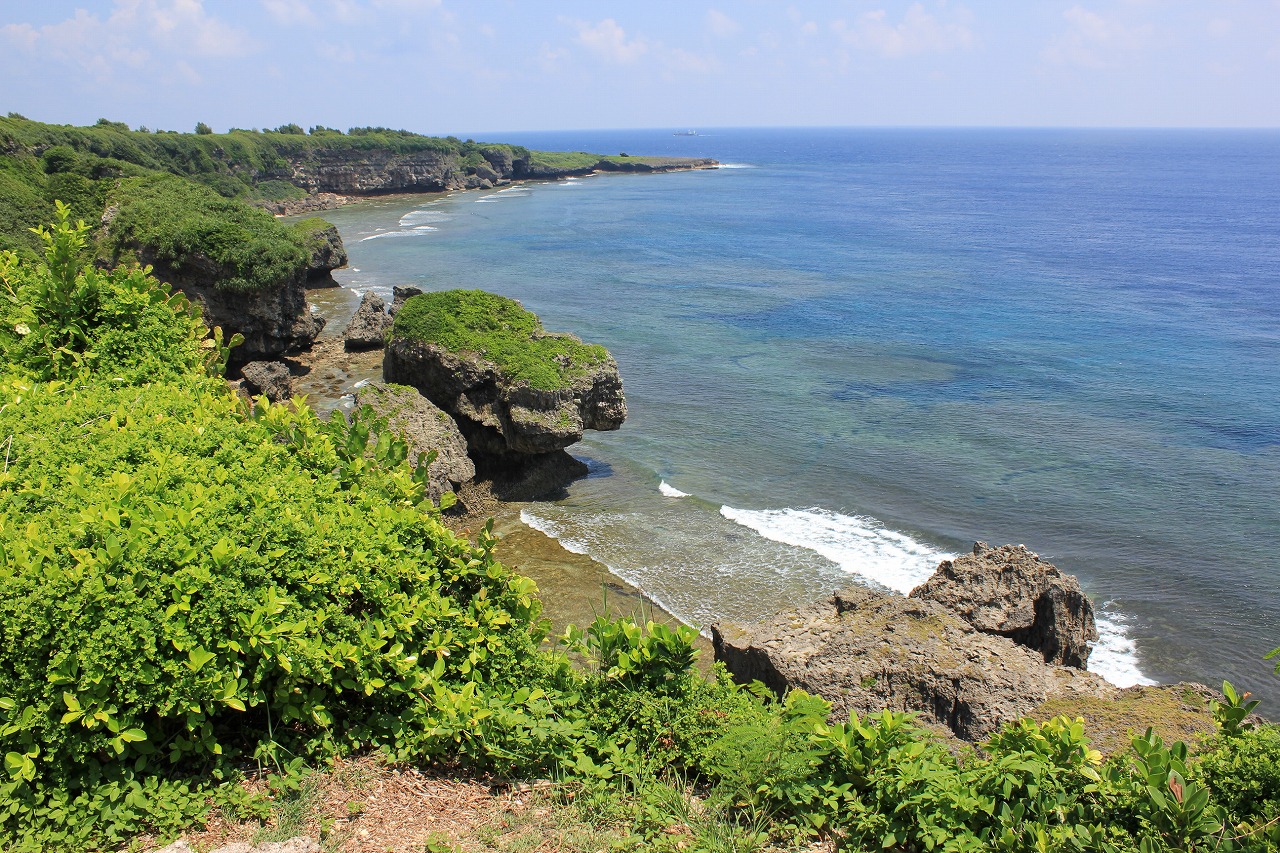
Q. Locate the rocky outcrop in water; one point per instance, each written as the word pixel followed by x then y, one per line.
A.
pixel 1011 592
pixel 519 409
pixel 369 327
pixel 426 428
pixel 501 418
pixel 327 254
pixel 865 651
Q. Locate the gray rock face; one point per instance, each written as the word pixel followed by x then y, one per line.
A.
pixel 1012 592
pixel 368 328
pixel 327 254
pixel 504 420
pixel 399 293
pixel 274 321
pixel 425 427
pixel 865 651
pixel 268 377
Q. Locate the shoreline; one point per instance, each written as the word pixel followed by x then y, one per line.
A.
pixel 574 588
pixel 322 201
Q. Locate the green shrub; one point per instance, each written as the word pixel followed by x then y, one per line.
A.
pixel 501 331
pixel 189 228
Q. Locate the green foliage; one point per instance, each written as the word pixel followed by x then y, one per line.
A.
pixel 1231 716
pixel 501 331
pixel 203 129
pixel 190 229
pixel 63 317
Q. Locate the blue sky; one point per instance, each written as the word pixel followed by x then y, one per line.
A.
pixel 449 66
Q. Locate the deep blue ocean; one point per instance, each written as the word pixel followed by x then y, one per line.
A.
pixel 851 352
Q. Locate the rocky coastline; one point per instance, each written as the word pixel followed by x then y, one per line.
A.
pixel 993 636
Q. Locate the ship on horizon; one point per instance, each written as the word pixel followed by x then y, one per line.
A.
pixel 685 133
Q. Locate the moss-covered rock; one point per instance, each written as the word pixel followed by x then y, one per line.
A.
pixel 515 389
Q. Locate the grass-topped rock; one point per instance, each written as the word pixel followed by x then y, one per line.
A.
pixel 515 389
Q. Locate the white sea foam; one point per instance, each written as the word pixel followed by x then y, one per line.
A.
pixel 1115 655
pixel 419 216
pixel 413 232
pixel 361 383
pixel 736 166
pixel 425 228
pixel 859 545
pixel 555 531
pixel 671 491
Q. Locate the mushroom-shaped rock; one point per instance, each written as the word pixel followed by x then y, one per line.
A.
pixel 1012 592
pixel 515 390
pixel 426 428
pixel 368 328
pixel 327 253
pixel 865 651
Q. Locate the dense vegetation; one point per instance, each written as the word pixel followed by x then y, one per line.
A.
pixel 500 330
pixel 192 588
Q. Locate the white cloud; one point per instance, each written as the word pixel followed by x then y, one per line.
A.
pixel 290 12
pixel 1220 28
pixel 918 32
pixel 151 37
pixel 721 24
pixel 1091 40
pixel 609 41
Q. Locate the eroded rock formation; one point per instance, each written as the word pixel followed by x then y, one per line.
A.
pixel 865 651
pixel 1012 592
pixel 368 328
pixel 501 418
pixel 426 428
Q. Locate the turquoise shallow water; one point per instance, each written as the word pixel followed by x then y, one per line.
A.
pixel 855 351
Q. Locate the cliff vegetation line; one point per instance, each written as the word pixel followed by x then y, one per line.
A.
pixel 195 590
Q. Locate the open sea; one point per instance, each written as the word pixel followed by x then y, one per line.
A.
pixel 849 353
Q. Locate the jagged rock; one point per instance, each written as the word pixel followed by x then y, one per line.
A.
pixel 274 320
pixel 1011 592
pixel 425 427
pixel 399 293
pixel 271 378
pixel 368 328
pixel 327 255
pixel 486 173
pixel 865 651
pixel 506 419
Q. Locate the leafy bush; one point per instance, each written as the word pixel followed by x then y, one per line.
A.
pixel 190 229
pixel 500 330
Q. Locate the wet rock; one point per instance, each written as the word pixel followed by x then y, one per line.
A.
pixel 426 428
pixel 369 327
pixel 271 378
pixel 865 651
pixel 1011 592
pixel 399 293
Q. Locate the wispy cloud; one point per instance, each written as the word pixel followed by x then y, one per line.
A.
pixel 721 25
pixel 609 41
pixel 919 31
pixel 1091 40
pixel 136 34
